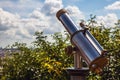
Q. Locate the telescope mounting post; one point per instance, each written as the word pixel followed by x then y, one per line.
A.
pixel 78 72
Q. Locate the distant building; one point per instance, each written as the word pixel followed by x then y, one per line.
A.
pixel 3 51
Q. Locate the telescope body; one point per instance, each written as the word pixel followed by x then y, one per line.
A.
pixel 90 50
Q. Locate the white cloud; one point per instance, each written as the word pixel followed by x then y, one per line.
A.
pixel 37 14
pixel 75 12
pixel 23 7
pixel 51 6
pixel 108 20
pixel 16 28
pixel 26 26
pixel 13 27
pixel 114 6
pixel 8 20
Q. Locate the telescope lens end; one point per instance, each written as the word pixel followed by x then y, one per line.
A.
pixel 60 12
pixel 98 64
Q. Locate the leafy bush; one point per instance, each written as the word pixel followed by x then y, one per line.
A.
pixel 48 61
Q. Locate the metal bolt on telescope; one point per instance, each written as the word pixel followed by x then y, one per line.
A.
pixel 90 49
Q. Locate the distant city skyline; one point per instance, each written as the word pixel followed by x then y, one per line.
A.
pixel 20 19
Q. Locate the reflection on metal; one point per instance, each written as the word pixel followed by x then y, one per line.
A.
pixel 91 38
pixel 89 48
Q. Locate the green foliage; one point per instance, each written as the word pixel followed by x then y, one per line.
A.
pixel 48 61
pixel 109 38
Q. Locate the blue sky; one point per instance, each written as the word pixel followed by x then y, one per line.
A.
pixel 20 19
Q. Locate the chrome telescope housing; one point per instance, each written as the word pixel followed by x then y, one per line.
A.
pixel 90 49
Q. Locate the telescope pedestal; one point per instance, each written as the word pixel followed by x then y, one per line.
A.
pixel 78 74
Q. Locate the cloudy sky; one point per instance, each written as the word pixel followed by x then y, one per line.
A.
pixel 20 19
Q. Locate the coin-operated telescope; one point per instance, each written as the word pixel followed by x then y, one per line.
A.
pixel 90 50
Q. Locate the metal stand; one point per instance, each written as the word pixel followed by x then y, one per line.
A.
pixel 77 72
